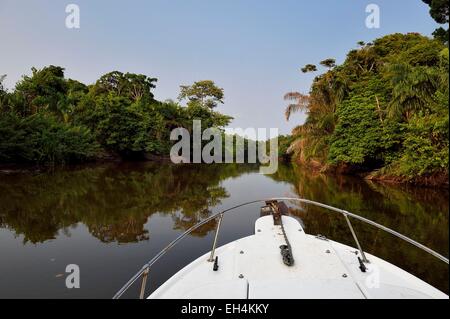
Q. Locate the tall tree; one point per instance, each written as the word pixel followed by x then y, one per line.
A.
pixel 439 11
pixel 2 78
pixel 44 89
pixel 136 87
pixel 2 93
pixel 328 63
pixel 309 68
pixel 205 93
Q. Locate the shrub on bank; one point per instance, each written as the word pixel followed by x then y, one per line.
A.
pixel 41 138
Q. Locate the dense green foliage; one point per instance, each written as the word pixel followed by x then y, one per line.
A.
pixel 50 119
pixel 39 138
pixel 284 144
pixel 439 12
pixel 385 108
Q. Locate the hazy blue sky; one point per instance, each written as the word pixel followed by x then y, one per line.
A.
pixel 251 48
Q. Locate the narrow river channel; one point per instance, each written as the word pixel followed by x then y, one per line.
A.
pixel 110 219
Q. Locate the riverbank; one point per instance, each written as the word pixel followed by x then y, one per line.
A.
pixel 432 180
pixel 439 180
pixel 104 158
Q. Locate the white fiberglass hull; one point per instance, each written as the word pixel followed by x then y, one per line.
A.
pixel 252 268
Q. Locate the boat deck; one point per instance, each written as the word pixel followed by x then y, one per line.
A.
pixel 252 268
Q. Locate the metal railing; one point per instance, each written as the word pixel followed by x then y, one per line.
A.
pixel 145 270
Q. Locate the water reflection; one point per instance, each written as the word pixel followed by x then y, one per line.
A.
pixel 121 206
pixel 419 213
pixel 113 201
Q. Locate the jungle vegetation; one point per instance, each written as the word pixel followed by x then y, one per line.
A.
pixel 384 110
pixel 50 119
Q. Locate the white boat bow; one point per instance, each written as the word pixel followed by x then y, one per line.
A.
pixel 315 268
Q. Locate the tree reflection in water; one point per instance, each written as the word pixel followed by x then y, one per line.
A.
pixel 419 213
pixel 113 201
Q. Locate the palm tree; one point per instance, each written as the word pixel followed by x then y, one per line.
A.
pixel 310 136
pixel 413 89
pixel 309 68
pixel 328 90
pixel 300 103
pixel 328 63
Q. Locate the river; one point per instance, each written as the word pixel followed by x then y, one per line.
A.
pixel 110 219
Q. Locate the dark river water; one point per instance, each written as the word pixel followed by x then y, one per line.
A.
pixel 111 219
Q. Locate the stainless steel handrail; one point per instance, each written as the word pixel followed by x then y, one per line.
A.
pixel 173 243
pixel 213 250
pixel 146 268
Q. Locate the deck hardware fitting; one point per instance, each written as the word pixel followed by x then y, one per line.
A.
pixel 328 251
pixel 216 264
pixel 278 210
pixel 361 265
pixel 321 237
pixel 241 276
pixel 344 275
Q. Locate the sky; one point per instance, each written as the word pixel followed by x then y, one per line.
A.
pixel 253 49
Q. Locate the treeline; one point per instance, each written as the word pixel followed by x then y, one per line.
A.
pixel 48 118
pixel 384 110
